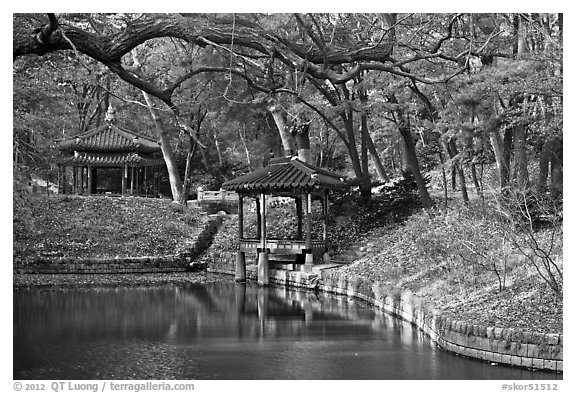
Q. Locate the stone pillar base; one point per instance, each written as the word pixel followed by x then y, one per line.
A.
pixel 263 277
pixel 308 263
pixel 240 275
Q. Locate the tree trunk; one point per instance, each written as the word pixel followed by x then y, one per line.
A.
pixel 520 158
pixel 301 134
pixel 163 140
pixel 167 153
pixel 551 156
pixel 355 159
pixel 415 167
pixel 362 178
pixel 218 150
pixel 368 143
pixel 287 141
pixel 241 134
pixel 519 32
pixel 444 180
pixel 521 38
pixel 556 169
pixel 452 150
pixel 551 153
pixel 366 188
pixel 382 175
pixel 186 185
pixel 502 154
pixel 475 180
pixel 403 154
pixel 404 127
pixel 469 141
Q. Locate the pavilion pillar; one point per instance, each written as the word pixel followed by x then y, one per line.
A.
pixel 299 216
pixel 258 218
pixel 132 181
pixel 95 180
pixel 158 181
pixel 137 188
pixel 309 259
pixel 145 182
pixel 75 179
pixel 59 178
pixel 124 179
pixel 240 275
pixel 63 189
pixel 326 255
pixel 81 168
pixel 263 278
pixel 90 180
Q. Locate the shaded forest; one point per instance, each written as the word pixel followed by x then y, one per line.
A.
pixel 371 95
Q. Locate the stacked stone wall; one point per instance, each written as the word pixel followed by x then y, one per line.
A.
pixel 498 345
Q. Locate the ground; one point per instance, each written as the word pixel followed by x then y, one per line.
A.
pixel 525 302
pixel 84 227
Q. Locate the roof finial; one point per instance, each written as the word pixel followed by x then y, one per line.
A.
pixel 110 114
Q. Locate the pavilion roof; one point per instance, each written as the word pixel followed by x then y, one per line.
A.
pixel 110 137
pixel 112 159
pixel 286 175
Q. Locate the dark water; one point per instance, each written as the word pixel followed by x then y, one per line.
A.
pixel 224 331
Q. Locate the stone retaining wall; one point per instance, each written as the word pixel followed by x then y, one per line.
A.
pixel 223 263
pixel 505 346
pixel 286 278
pixel 164 264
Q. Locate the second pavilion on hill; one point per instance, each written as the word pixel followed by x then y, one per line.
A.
pixel 110 159
pixel 284 177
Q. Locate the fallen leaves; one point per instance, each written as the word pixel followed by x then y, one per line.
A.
pixel 99 227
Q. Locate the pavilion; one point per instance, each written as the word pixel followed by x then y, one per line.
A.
pixel 286 177
pixel 112 160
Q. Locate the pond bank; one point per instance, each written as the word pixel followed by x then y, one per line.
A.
pixel 508 346
pixel 58 281
pixel 495 345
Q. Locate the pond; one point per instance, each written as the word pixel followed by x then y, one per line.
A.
pixel 224 330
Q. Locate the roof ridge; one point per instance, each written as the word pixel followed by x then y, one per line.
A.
pixel 302 166
pixel 85 134
pixel 139 134
pixel 293 174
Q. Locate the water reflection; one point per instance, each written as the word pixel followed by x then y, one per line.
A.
pixel 223 331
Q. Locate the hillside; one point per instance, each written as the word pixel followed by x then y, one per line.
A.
pixel 73 226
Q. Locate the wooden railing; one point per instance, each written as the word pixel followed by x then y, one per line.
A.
pixel 282 246
pixel 216 196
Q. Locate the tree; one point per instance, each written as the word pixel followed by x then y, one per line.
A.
pixel 271 52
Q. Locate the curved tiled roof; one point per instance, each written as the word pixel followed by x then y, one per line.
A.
pixel 286 175
pixel 110 138
pixel 112 160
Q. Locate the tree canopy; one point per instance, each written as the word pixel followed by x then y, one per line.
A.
pixel 384 92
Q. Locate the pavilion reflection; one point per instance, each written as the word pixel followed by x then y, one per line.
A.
pixel 184 314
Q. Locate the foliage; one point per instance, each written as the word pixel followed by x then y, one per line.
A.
pixel 222 67
pixel 534 223
pixel 463 261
